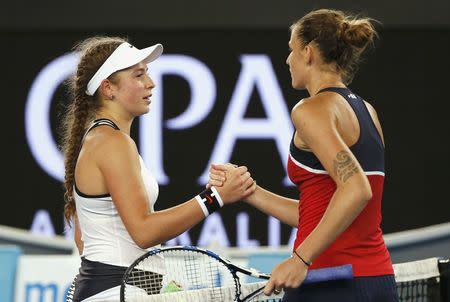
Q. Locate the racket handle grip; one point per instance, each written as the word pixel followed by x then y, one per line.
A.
pixel 343 272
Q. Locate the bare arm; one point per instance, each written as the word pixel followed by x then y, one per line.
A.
pixel 283 208
pixel 118 161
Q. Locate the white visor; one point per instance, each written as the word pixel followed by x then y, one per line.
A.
pixel 126 55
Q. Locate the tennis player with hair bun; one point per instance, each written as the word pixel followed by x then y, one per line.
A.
pixel 110 194
pixel 337 162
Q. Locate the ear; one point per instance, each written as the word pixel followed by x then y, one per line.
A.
pixel 106 89
pixel 309 54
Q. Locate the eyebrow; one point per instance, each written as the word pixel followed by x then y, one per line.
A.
pixel 141 69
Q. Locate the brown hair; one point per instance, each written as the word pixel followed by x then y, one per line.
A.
pixel 82 108
pixel 340 38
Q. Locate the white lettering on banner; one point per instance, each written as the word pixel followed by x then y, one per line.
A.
pixel 273 232
pixel 292 237
pixel 242 231
pixel 213 232
pixel 37 114
pixel 203 93
pixel 42 224
pixel 256 72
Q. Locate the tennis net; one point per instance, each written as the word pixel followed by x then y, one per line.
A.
pixel 424 280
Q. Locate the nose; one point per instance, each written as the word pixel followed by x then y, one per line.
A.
pixel 150 84
pixel 287 59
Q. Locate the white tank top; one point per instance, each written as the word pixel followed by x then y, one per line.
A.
pixel 105 238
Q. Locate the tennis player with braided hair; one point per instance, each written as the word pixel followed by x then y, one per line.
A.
pixel 337 162
pixel 110 194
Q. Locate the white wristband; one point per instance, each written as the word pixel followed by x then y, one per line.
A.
pixel 202 205
pixel 217 195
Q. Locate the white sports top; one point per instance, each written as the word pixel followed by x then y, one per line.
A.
pixel 105 238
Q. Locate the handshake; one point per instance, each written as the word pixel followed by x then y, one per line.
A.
pixel 232 182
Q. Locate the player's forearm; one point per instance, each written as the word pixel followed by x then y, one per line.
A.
pixel 282 208
pixel 161 226
pixel 346 204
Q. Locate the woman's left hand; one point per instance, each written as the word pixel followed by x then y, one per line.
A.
pixel 288 274
pixel 217 175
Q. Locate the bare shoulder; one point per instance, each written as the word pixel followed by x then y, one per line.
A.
pixel 107 141
pixel 319 106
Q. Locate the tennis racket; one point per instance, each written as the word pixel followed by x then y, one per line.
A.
pixel 187 273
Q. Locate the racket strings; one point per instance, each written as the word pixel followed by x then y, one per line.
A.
pixel 214 276
pixel 192 267
pixel 149 281
pixel 184 273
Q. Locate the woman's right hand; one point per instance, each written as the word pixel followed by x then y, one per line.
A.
pixel 235 183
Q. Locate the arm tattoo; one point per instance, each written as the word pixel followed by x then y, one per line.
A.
pixel 344 166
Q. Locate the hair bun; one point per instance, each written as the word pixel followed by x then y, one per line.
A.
pixel 358 33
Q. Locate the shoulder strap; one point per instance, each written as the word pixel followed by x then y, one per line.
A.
pixel 100 122
pixel 340 90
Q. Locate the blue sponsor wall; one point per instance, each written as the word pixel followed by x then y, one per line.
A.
pixel 9 255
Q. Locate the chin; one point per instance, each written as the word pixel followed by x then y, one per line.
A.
pixel 142 112
pixel 298 86
pixel 146 109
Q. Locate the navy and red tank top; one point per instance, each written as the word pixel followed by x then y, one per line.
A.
pixel 362 244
